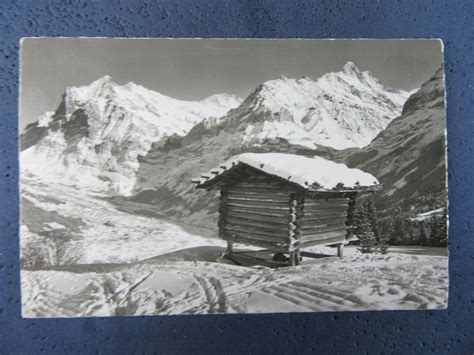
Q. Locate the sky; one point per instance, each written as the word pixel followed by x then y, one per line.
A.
pixel 195 69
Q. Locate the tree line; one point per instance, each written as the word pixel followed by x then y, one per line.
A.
pixel 397 229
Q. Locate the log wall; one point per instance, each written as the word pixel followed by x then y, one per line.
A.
pixel 324 219
pixel 259 210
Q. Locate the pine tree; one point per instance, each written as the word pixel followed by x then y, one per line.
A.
pixel 366 238
pixel 372 216
pixel 384 239
pixel 423 235
pixel 359 220
pixel 434 231
pixel 383 243
pixel 443 230
pixel 439 231
pixel 362 229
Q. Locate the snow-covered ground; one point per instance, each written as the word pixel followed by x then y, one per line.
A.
pixel 83 257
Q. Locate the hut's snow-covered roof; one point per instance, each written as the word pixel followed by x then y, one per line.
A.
pixel 310 173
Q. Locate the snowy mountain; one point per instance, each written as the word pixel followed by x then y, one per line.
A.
pixel 340 110
pixel 96 135
pixel 408 157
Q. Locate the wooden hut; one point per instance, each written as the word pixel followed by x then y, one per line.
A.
pixel 285 203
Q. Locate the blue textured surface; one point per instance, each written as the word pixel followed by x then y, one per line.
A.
pixel 404 332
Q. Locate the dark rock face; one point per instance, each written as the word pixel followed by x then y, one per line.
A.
pixel 409 156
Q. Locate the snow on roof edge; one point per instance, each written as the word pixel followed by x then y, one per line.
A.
pixel 315 174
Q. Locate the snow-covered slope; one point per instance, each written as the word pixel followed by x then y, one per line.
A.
pixel 409 156
pixel 96 135
pixel 340 110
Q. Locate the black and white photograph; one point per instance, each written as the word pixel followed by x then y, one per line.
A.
pixel 212 176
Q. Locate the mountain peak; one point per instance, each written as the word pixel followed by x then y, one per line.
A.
pixel 106 79
pixel 350 67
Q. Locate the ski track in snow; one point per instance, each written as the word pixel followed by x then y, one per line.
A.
pixel 118 266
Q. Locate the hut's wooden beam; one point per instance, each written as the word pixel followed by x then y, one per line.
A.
pixel 317 220
pixel 258 203
pixel 340 250
pixel 335 238
pixel 329 232
pixel 238 189
pixel 266 209
pixel 262 217
pixel 260 234
pixel 315 230
pixel 329 203
pixel 259 197
pixel 256 223
pixel 307 216
pixel 330 208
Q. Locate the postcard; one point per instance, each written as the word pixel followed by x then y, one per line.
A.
pixel 212 176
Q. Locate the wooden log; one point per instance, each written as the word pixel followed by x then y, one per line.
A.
pixel 335 202
pixel 266 209
pixel 252 216
pixel 323 213
pixel 258 243
pixel 294 234
pixel 322 220
pixel 333 208
pixel 328 241
pixel 340 250
pixel 326 209
pixel 258 203
pixel 277 236
pixel 328 199
pixel 259 197
pixel 261 190
pixel 311 226
pixel 263 185
pixel 329 194
pixel 292 258
pixel 327 232
pixel 230 244
pixel 328 238
pixel 297 257
pixel 235 189
pixel 258 223
pixel 322 229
